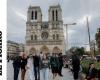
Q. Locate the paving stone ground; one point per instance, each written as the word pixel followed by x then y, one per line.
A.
pixel 67 75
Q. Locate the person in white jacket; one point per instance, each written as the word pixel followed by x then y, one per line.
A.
pixel 29 69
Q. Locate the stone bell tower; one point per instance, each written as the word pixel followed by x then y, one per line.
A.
pixel 34 14
pixel 56 25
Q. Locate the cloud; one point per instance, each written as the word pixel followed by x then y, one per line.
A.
pixel 73 11
pixel 20 15
pixel 84 18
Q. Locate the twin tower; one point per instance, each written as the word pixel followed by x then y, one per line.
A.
pixel 35 13
pixel 44 36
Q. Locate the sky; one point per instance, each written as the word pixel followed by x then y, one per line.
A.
pixel 73 11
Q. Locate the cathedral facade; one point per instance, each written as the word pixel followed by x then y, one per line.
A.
pixel 44 36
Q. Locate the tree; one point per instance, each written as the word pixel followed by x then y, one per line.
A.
pixel 78 50
pixel 97 37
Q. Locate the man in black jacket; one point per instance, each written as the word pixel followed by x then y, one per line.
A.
pixel 60 58
pixel 16 66
pixel 36 62
pixel 76 66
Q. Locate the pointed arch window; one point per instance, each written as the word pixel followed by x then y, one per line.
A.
pixel 35 15
pixel 57 36
pixel 53 36
pixel 35 37
pixel 32 15
pixel 31 37
pixel 53 15
pixel 56 15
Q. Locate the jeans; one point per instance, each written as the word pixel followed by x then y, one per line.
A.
pixel 45 72
pixel 37 73
pixel 16 72
pixel 60 70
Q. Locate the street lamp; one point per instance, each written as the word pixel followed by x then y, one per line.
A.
pixel 89 36
pixel 66 25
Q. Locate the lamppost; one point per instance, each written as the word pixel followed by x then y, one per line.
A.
pixel 89 36
pixel 66 25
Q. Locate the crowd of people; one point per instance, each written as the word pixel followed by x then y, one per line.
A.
pixel 32 64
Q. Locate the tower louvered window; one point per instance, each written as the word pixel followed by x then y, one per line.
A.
pixel 35 15
pixel 53 15
pixel 32 15
pixel 56 15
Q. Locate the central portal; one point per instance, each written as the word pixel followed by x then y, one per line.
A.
pixel 44 50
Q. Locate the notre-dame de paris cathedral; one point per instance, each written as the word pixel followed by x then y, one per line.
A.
pixel 44 36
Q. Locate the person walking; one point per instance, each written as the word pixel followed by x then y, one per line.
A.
pixel 36 63
pixel 16 66
pixel 92 72
pixel 23 65
pixel 60 58
pixel 45 67
pixel 75 66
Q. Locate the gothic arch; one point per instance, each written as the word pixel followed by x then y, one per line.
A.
pixel 56 50
pixel 32 50
pixel 32 15
pixel 44 49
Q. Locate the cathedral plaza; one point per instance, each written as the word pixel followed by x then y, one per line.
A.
pixel 67 75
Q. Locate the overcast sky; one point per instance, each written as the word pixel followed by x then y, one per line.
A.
pixel 73 11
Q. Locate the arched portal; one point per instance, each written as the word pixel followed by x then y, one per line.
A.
pixel 56 50
pixel 32 51
pixel 44 49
